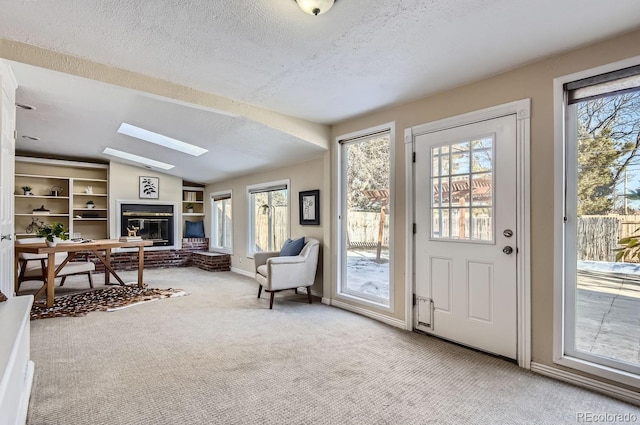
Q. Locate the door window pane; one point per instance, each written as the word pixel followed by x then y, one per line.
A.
pixel 464 191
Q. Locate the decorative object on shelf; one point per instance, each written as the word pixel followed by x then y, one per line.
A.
pixel 131 235
pixel 53 232
pixel 132 231
pixel 190 208
pixel 309 207
pixel 89 190
pixel 40 211
pixel 27 190
pixel 56 190
pixel 34 226
pixel 90 204
pixel 149 187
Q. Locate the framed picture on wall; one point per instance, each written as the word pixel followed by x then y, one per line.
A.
pixel 309 207
pixel 149 187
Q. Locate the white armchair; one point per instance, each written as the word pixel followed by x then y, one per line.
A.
pixel 275 273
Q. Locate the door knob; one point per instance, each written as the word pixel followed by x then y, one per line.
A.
pixel 507 250
pixel 7 237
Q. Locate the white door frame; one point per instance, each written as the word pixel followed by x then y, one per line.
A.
pixel 521 108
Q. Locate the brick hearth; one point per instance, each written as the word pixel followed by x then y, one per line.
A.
pixel 170 258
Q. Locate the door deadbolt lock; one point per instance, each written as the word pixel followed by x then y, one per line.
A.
pixel 508 233
pixel 507 250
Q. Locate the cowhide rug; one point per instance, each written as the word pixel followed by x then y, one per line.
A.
pixel 109 299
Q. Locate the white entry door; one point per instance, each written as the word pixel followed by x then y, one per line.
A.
pixel 465 209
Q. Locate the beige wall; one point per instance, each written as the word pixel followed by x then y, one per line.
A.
pixel 124 185
pixel 304 176
pixel 534 81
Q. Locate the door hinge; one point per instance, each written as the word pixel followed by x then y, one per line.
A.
pixel 15 134
pixel 414 299
pixel 414 157
pixel 414 228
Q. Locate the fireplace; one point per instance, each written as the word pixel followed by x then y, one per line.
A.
pixel 154 222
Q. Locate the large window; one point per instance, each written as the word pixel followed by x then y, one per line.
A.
pixel 602 221
pixel 221 222
pixel 366 214
pixel 268 216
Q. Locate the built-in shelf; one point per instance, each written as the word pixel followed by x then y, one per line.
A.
pixel 41 197
pixel 71 179
pixel 192 196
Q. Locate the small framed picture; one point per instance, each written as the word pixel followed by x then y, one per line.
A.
pixel 309 207
pixel 149 187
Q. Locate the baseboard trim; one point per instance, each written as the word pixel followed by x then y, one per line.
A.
pixel 368 313
pixel 242 272
pixel 326 300
pixel 583 381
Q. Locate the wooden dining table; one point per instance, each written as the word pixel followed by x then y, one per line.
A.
pixel 101 248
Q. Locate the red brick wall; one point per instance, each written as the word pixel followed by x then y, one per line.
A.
pixel 212 263
pixel 167 258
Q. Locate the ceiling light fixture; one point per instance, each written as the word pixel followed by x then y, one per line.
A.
pixel 139 159
pixel 160 139
pixel 315 7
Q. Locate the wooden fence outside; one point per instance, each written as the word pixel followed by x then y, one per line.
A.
pixel 362 229
pixel 598 235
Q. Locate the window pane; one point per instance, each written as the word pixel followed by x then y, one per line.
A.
pixel 270 219
pixel 482 189
pixel 482 155
pixel 460 158
pixel 222 223
pixel 459 223
pixel 605 202
pixel 482 224
pixel 366 217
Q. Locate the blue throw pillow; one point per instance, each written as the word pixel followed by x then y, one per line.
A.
pixel 292 248
pixel 194 229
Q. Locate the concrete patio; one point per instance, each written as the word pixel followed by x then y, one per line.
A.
pixel 608 315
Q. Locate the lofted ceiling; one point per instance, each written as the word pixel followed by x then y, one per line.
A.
pixel 269 58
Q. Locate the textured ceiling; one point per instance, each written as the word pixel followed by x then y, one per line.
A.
pixel 359 57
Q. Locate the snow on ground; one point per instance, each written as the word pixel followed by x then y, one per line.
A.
pixel 365 274
pixel 604 266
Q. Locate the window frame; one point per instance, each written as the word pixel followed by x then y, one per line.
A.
pixel 214 222
pixel 562 184
pixel 341 293
pixel 250 189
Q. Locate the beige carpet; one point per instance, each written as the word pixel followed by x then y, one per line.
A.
pixel 220 356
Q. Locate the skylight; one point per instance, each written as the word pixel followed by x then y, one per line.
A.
pixel 139 159
pixel 159 139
